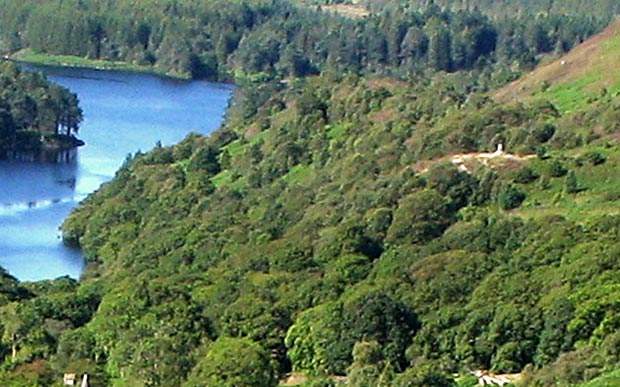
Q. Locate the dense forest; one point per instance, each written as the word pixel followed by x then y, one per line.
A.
pixel 35 113
pixel 506 8
pixel 227 40
pixel 353 222
pixel 328 229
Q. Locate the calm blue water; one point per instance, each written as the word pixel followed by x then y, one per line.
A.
pixel 124 113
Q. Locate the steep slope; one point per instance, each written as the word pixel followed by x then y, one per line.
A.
pixel 585 72
pixel 306 228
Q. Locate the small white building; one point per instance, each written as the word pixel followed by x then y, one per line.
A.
pixel 69 379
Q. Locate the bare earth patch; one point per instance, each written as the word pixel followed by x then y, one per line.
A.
pixel 470 162
pixel 293 379
pixel 486 378
pixel 496 160
pixel 349 10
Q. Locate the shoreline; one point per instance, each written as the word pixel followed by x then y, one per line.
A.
pixel 27 56
pixel 54 149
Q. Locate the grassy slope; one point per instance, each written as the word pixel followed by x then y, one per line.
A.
pixel 578 84
pixel 611 379
pixel 572 80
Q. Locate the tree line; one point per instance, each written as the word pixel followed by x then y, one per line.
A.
pixel 224 40
pixel 34 111
pixel 508 8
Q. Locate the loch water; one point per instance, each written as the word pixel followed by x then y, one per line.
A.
pixel 123 113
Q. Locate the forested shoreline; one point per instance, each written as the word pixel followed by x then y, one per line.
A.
pixel 35 114
pixel 223 40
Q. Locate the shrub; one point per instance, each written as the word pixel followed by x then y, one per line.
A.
pixel 510 197
pixel 594 158
pixel 525 175
pixel 234 362
pixel 556 169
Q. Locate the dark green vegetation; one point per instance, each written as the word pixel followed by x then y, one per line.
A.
pixel 222 39
pixel 39 321
pixel 35 114
pixel 346 224
pixel 326 228
pixel 503 8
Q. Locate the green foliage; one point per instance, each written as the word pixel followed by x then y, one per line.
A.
pixel 571 185
pixel 206 161
pixel 316 233
pixel 570 7
pixel 35 112
pixel 322 339
pixel 316 230
pixel 525 175
pixel 543 132
pixel 594 158
pixel 314 341
pixel 467 381
pixel 233 362
pixel 571 368
pixel 420 217
pixel 265 38
pixel 451 183
pixel 368 367
pixel 554 338
pixel 424 375
pixel 607 380
pixel 35 374
pixel 510 197
pixel 556 169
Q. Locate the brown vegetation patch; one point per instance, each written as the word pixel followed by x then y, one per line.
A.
pixel 383 116
pixel 505 165
pixel 284 116
pixel 290 104
pixel 251 132
pixel 429 267
pixel 343 92
pixel 38 368
pixel 389 84
pixel 613 137
pixel 422 166
pixel 599 129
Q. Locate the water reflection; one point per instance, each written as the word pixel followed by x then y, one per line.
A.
pixel 65 156
pixel 34 181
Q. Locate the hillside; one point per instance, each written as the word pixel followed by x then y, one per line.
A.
pixel 572 80
pixel 510 8
pixel 352 220
pixel 328 233
pixel 264 39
